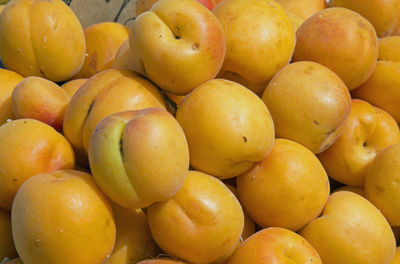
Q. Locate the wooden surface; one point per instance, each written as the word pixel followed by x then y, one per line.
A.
pixel 91 12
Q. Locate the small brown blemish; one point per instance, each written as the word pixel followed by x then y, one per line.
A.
pixel 379 190
pixel 316 122
pixel 93 61
pixel 245 139
pixel 15 179
pixel 195 46
pixel 309 69
pixel 364 144
pixel 177 37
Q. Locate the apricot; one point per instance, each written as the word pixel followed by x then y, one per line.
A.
pixel 384 15
pixel 368 130
pixel 7 248
pixel 160 261
pixel 296 96
pixel 389 48
pixel 302 8
pixel 296 21
pixel 124 58
pixel 381 183
pixel 41 38
pixel 41 99
pixel 264 24
pixel 275 245
pixel 139 157
pixel 288 188
pixel 106 93
pixel 29 147
pixel 62 217
pixel 228 128
pixel 103 41
pixel 396 259
pixel 8 81
pixel 340 234
pixel 341 40
pixel 178 44
pixel 72 86
pixel 144 5
pixel 201 223
pixel 382 89
pixel 134 241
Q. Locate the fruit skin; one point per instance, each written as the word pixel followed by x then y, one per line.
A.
pixel 381 183
pixel 41 38
pixel 103 41
pixel 347 222
pixel 29 147
pixel 160 261
pixel 296 21
pixel 72 86
pixel 264 24
pixel 62 217
pixel 396 259
pixel 106 93
pixel 341 40
pixel 296 106
pixel 8 80
pixel 40 99
pixel 145 5
pixel 228 128
pixel 124 58
pixel 201 223
pixel 7 248
pixel 302 8
pixel 288 188
pixel 368 130
pixel 275 245
pixel 124 149
pixel 383 15
pixel 178 45
pixel 389 48
pixel 382 89
pixel 134 241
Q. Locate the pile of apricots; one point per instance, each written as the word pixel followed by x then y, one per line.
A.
pixel 205 132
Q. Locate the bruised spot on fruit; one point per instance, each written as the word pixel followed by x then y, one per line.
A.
pixel 316 122
pixel 364 144
pixel 177 37
pixel 15 179
pixel 245 139
pixel 93 60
